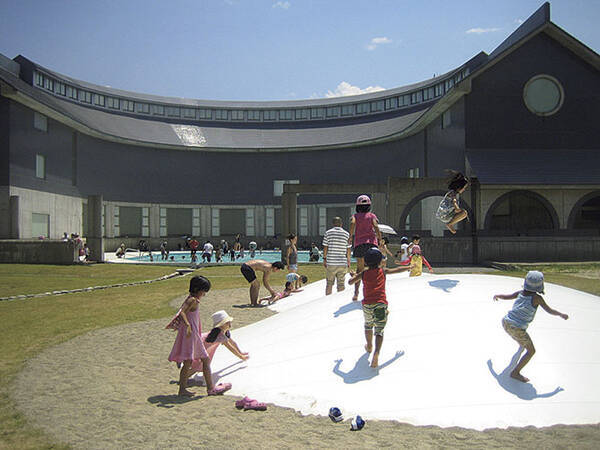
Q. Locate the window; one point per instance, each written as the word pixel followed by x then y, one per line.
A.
pixel 317 113
pixel 237 114
pixel 205 114
pixel 270 115
pixel 85 96
pixel 127 105
pixel 543 95
pixel 301 114
pixel 446 119
pixel 286 114
pixel 333 111
pixel 362 108
pixel 48 83
pixel 142 108
pixel 439 89
pixel 158 110
pixel 405 100
pixel 413 172
pixel 113 103
pixel 416 97
pixel 377 106
pixel 99 100
pixel 278 186
pixel 39 79
pixel 40 225
pixel 60 88
pixel 253 115
pixel 189 113
pixel 40 166
pixel 221 114
pixel 40 122
pixel 391 103
pixel 173 111
pixel 428 93
pixel 347 110
pixel 72 92
pixel 448 84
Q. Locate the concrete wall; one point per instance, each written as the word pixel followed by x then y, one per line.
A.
pixel 65 212
pixel 37 252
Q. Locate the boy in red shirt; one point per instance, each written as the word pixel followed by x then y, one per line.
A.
pixel 374 304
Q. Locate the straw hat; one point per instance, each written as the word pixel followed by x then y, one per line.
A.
pixel 220 318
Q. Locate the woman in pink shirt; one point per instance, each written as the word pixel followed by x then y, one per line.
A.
pixel 364 229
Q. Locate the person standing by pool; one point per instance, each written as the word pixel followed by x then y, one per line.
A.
pixel 292 254
pixel 207 252
pixel 193 247
pixel 249 271
pixel 336 255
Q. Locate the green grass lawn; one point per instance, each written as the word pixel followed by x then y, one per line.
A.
pixel 29 326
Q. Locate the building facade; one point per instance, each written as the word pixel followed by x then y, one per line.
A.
pixel 522 121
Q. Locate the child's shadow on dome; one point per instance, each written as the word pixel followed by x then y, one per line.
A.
pixel 362 370
pixel 347 308
pixel 525 391
pixel 445 285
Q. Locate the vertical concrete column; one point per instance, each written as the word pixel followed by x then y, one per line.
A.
pixel 15 231
pixel 205 221
pixel 95 240
pixel 109 220
pixel 289 204
pixel 379 206
pixel 154 220
pixel 259 222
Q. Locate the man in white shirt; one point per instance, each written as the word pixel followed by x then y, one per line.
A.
pixel 207 252
pixel 336 255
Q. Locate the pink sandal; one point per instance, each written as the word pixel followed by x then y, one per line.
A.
pixel 240 403
pixel 255 405
pixel 220 389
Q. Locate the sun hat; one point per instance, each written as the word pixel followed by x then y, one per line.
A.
pixel 363 200
pixel 373 256
pixel 357 423
pixel 534 281
pixel 335 414
pixel 220 317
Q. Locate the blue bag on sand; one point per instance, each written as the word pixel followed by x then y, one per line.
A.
pixel 335 414
pixel 357 423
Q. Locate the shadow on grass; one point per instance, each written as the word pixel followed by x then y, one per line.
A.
pixel 170 401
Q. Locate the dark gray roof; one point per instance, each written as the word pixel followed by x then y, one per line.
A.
pixel 542 166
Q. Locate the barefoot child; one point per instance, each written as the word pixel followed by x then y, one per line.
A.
pixel 289 289
pixel 188 344
pixel 364 228
pixel 219 334
pixel 449 212
pixel 374 304
pixel 522 313
pixel 296 279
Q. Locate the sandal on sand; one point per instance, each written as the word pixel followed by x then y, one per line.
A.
pixel 255 405
pixel 240 403
pixel 220 389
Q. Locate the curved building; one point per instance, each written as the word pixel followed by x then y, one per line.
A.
pixel 521 121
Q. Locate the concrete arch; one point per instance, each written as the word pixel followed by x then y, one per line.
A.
pixel 577 207
pixel 431 193
pixel 531 194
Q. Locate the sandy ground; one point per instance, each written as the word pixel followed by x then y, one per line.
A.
pixel 114 388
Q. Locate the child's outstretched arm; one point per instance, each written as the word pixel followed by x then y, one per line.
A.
pixel 377 231
pixel 540 301
pixel 427 263
pixel 352 229
pixel 233 348
pixel 397 269
pixel 506 296
pixel 355 278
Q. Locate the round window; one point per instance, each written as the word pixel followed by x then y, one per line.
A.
pixel 543 95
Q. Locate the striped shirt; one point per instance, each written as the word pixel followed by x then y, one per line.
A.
pixel 336 241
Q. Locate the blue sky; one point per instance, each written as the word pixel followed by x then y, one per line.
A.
pixel 268 49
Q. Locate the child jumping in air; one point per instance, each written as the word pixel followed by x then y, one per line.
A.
pixel 188 345
pixel 515 323
pixel 417 259
pixel 374 304
pixel 220 334
pixel 364 228
pixel 449 212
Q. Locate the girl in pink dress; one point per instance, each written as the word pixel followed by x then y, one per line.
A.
pixel 218 335
pixel 188 345
pixel 364 229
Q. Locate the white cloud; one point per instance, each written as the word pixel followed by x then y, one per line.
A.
pixel 378 41
pixel 519 21
pixel 345 88
pixel 481 30
pixel 282 5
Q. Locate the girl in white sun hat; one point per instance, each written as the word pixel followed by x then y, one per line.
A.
pixel 212 340
pixel 515 323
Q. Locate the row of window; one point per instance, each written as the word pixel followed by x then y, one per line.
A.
pixel 314 113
